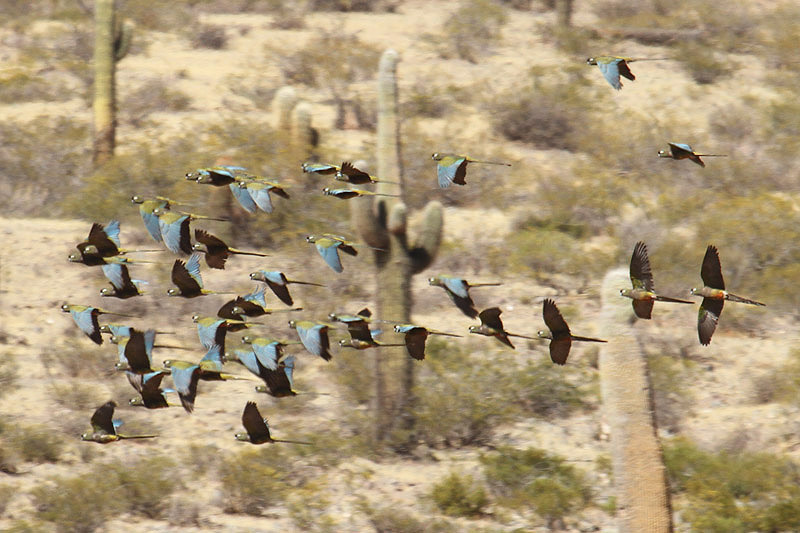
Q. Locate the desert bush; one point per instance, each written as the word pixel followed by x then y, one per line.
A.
pixel 780 384
pixel 152 96
pixel 353 5
pixel 33 442
pixel 549 112
pixel 391 519
pixel 307 508
pixel 672 397
pixel 331 60
pixel 728 29
pixel 457 495
pixel 754 255
pixel 76 359
pixel 209 36
pixel 76 395
pixel 779 32
pixel 544 248
pixel 79 504
pixel 734 492
pixel 471 30
pixel 6 494
pixel 8 374
pixel 161 15
pixel 702 63
pixel 31 177
pixel 253 480
pixel 533 478
pixel 145 485
pixel 475 401
pixel 424 100
pixel 20 86
pixel 549 392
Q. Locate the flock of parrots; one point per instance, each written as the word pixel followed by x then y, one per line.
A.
pixel 263 356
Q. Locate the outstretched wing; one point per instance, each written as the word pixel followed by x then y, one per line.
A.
pixel 711 271
pixel 101 419
pixel 555 322
pixel 707 318
pixel 491 318
pixel 254 424
pixel 641 274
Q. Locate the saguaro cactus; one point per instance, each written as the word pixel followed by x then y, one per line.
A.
pixel 111 44
pixel 383 224
pixel 639 473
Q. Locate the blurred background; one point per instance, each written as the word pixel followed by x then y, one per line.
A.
pixel 502 440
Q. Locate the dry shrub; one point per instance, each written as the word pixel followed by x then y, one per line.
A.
pixel 209 36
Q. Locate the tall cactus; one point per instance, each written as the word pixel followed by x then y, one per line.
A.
pixel 383 224
pixel 111 44
pixel 639 474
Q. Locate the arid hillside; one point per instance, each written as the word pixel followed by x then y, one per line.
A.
pixel 502 439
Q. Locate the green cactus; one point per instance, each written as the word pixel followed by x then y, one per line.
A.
pixel 383 224
pixel 637 459
pixel 111 44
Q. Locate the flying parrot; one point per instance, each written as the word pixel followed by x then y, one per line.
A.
pixel 714 295
pixel 679 151
pixel 452 168
pixel 643 292
pixel 492 326
pixel 560 336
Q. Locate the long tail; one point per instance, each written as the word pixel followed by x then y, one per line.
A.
pixel 443 333
pixel 270 311
pixel 649 59
pixel 734 298
pixel 203 217
pixel 588 339
pixel 292 441
pixel 492 284
pixel 258 254
pixel 382 345
pixel 490 162
pixel 711 155
pixel 523 336
pixel 227 377
pixel 304 283
pixel 120 314
pixel 171 347
pixel 383 194
pixel 137 436
pixel 672 300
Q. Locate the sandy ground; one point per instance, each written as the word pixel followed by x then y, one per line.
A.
pixel 35 279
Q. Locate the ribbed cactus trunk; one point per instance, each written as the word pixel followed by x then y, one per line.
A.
pixel 383 225
pixel 111 43
pixel 104 82
pixel 640 479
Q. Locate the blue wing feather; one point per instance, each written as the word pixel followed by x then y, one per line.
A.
pixel 331 256
pixel 243 196
pixel 611 73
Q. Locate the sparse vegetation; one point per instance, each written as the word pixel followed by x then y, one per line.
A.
pixel 533 478
pixel 211 37
pixel 739 492
pixel 253 480
pixel 470 30
pixel 79 504
pixel 458 495
pixel 145 485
